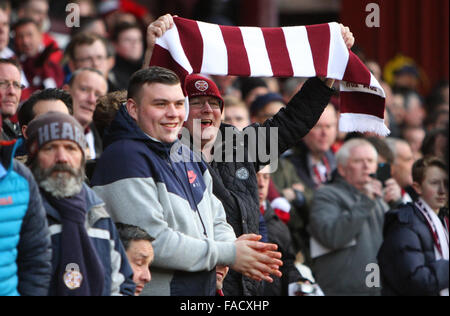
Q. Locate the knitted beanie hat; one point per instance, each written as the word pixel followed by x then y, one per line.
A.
pixel 53 126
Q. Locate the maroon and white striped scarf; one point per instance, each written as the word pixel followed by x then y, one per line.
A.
pixel 297 51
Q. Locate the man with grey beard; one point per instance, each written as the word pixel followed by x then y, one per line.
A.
pixel 88 256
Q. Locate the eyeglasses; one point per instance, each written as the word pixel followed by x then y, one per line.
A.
pixel 198 104
pixel 5 84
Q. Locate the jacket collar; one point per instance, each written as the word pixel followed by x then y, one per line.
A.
pixel 92 201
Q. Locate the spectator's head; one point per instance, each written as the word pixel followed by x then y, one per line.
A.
pixel 236 113
pixel 106 109
pixel 375 69
pixel 86 86
pixel 414 109
pixel 265 106
pixel 28 37
pixel 37 10
pixel 263 179
pixel 356 162
pixel 414 136
pixel 435 142
pixel 437 119
pixel 156 102
pixel 10 86
pixel 127 40
pixel 291 86
pixel 397 108
pixel 205 108
pixel 323 134
pixel 4 25
pixel 403 161
pixel 55 145
pixel 90 24
pixel 407 76
pixel 384 152
pixel 41 102
pixel 87 7
pixel 252 87
pixel 138 246
pixel 431 181
pixel 89 50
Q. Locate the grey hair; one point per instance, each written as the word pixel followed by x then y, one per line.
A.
pixel 392 144
pixel 345 151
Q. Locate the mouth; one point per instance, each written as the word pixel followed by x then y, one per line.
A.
pixel 170 125
pixel 206 123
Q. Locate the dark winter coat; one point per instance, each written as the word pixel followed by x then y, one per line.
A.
pixel 278 233
pixel 235 181
pixel 407 261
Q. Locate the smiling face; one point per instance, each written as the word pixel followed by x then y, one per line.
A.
pixel 159 110
pixel 204 112
pixel 85 90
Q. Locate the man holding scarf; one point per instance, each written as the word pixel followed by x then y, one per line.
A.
pixel 88 257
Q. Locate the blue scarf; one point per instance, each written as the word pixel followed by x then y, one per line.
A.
pixel 80 271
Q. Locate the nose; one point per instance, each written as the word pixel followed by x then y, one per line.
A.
pixel 171 110
pixel 92 97
pixel 207 107
pixel 61 155
pixel 146 275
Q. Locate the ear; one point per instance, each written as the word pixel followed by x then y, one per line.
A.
pixel 417 187
pixel 132 109
pixel 24 131
pixel 341 170
pixel 66 87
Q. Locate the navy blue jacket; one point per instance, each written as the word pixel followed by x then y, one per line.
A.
pixel 407 261
pixel 106 241
pixel 144 184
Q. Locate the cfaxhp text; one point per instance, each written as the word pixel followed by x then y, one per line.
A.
pixel 225 306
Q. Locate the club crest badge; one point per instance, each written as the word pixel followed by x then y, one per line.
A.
pixel 73 277
pixel 242 173
pixel 201 85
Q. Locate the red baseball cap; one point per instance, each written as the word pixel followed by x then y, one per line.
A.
pixel 197 86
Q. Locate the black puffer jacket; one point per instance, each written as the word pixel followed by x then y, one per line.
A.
pixel 407 260
pixel 235 179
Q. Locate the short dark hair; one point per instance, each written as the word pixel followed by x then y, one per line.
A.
pixel 25 21
pixel 150 75
pixel 26 113
pixel 429 141
pixel 420 167
pixel 84 38
pixel 5 5
pixel 85 24
pixel 129 233
pixel 122 27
